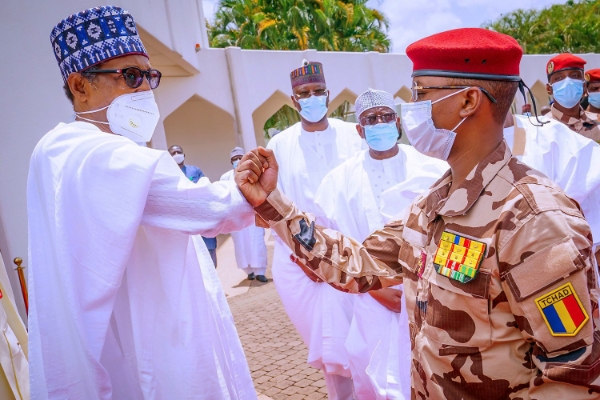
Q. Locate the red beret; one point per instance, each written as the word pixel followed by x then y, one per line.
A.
pixel 474 53
pixel 564 61
pixel 593 75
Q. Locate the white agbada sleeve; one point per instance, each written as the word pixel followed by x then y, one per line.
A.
pixel 570 160
pixel 204 208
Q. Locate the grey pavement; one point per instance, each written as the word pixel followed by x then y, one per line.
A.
pixel 276 355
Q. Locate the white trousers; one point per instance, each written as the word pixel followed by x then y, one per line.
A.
pixel 338 387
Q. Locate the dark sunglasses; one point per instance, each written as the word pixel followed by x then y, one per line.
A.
pixel 133 76
pixel 374 119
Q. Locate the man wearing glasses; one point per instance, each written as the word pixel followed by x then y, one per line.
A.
pixel 307 151
pixel 359 197
pixel 125 303
pixel 495 259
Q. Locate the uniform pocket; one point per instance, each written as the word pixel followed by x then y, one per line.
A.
pixel 458 313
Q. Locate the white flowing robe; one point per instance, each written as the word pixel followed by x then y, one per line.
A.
pixel 249 244
pixel 357 198
pixel 321 314
pixel 571 160
pixel 124 301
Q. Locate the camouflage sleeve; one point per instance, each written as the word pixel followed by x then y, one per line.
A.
pixel 552 290
pixel 335 258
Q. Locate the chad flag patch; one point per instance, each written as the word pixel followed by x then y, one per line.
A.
pixel 458 258
pixel 562 311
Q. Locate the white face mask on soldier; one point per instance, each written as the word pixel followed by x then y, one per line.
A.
pixel 132 115
pixel 420 130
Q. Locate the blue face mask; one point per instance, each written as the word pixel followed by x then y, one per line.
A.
pixel 381 137
pixel 594 99
pixel 314 108
pixel 236 163
pixel 568 92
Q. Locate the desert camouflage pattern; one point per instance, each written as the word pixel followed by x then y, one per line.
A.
pixel 485 339
pixel 585 126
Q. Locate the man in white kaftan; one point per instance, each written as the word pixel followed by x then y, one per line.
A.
pixel 569 159
pixel 306 152
pixel 125 302
pixel 249 243
pixel 359 197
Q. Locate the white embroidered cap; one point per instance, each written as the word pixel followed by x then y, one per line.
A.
pixel 373 98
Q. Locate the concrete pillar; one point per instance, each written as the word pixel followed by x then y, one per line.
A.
pixel 241 98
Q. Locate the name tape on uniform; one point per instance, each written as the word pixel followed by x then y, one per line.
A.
pixel 458 258
pixel 562 311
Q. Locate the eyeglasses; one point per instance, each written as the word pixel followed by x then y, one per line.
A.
pixel 307 94
pixel 133 76
pixel 374 119
pixel 416 88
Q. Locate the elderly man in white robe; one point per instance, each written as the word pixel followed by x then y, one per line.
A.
pixel 359 197
pixel 306 152
pixel 566 157
pixel 125 302
pixel 249 243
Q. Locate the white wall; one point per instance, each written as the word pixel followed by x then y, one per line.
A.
pixel 236 87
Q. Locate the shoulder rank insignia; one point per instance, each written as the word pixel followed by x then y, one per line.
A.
pixel 458 258
pixel 562 311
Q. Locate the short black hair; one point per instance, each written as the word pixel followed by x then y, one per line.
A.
pixel 88 73
pixel 503 91
pixel 175 145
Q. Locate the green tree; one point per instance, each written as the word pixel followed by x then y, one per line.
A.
pixel 573 27
pixel 325 25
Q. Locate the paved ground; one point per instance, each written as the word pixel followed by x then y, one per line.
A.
pixel 276 354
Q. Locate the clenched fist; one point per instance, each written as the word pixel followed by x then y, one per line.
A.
pixel 256 175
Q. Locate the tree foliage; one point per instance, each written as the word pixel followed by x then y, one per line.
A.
pixel 325 25
pixel 573 27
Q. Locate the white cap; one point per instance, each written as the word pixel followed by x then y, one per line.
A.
pixel 238 151
pixel 372 98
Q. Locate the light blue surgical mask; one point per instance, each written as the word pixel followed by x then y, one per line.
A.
pixel 594 99
pixel 568 92
pixel 381 137
pixel 236 163
pixel 314 108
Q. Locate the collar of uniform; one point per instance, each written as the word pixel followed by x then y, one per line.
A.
pixel 463 198
pixel 577 123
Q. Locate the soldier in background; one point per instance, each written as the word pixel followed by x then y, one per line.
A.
pixel 495 258
pixel 566 85
pixel 592 83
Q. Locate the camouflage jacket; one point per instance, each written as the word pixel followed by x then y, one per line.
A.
pixel 585 125
pixel 499 285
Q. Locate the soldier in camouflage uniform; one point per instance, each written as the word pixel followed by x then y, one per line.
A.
pixel 495 258
pixel 566 83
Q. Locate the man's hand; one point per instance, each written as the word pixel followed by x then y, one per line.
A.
pixel 256 175
pixel 389 298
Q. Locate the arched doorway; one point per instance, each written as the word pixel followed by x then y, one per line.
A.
pixel 206 134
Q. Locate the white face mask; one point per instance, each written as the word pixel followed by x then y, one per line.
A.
pixel 179 158
pixel 132 115
pixel 421 131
